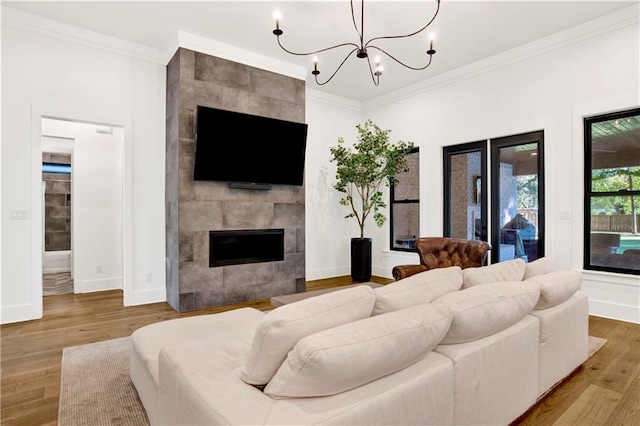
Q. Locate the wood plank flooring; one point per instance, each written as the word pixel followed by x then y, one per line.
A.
pixel 604 391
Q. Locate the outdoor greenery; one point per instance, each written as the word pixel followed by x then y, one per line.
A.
pixel 363 169
pixel 618 180
pixel 527 191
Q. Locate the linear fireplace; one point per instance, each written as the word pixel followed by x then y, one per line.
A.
pixel 245 246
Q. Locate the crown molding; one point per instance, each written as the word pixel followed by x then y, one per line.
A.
pixel 235 54
pixel 333 100
pixel 574 35
pixel 37 25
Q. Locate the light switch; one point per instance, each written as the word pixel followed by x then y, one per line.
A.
pixel 565 214
pixel 19 214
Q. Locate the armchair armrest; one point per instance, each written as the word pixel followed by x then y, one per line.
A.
pixel 403 271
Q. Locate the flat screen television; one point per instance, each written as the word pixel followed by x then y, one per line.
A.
pixel 248 149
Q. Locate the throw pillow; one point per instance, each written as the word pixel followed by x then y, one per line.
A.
pixel 556 287
pixel 511 270
pixel 279 330
pixel 544 265
pixel 353 354
pixel 484 310
pixel 423 287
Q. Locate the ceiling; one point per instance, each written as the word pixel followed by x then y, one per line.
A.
pixel 467 31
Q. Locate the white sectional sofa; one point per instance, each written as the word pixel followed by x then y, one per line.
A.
pixel 445 346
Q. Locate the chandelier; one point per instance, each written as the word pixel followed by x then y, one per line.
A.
pixel 362 48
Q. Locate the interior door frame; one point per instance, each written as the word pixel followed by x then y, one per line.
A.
pixel 78 113
pixel 447 153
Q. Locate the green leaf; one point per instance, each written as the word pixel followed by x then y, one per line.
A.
pixel 363 168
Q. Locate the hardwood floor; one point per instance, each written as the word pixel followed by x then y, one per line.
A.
pixel 604 391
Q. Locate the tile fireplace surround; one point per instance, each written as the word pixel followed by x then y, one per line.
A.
pixel 195 208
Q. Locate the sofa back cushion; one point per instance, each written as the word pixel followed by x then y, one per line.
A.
pixel 280 329
pixel 353 354
pixel 544 265
pixel 511 270
pixel 487 309
pixel 556 287
pixel 417 289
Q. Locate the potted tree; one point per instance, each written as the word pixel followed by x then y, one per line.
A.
pixel 362 171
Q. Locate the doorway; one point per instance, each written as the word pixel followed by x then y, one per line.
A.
pixel 498 199
pixel 83 213
pixel 57 276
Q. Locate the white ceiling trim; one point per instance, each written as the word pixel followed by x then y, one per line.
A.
pixel 333 100
pixel 232 53
pixel 69 33
pixel 605 24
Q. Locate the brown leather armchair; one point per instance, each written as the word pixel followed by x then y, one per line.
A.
pixel 442 252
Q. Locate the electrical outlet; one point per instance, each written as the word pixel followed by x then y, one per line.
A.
pixel 149 277
pixel 98 269
pixel 565 214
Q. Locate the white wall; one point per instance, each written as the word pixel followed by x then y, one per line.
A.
pixel 536 87
pixel 55 70
pixel 97 201
pixel 328 234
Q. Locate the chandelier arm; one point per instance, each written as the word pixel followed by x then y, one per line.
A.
pixel 316 51
pixel 355 25
pixel 407 35
pixel 337 69
pixel 402 63
pixel 374 78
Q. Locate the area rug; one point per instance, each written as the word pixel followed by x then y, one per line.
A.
pixel 95 388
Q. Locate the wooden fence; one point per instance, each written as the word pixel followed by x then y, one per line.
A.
pixel 613 223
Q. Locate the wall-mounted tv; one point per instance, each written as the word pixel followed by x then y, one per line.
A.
pixel 248 149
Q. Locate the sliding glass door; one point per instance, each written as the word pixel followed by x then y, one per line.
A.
pixel 517 202
pixel 515 195
pixel 465 200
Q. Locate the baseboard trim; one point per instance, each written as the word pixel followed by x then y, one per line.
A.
pixel 616 311
pixel 17 313
pixel 320 274
pixel 55 270
pixel 144 297
pixel 90 286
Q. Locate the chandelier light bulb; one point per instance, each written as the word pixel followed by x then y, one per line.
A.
pixel 432 37
pixel 277 15
pixel 377 60
pixel 315 66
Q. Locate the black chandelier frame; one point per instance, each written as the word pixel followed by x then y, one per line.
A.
pixel 361 50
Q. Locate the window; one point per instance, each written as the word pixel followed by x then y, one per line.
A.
pixel 612 192
pixel 405 205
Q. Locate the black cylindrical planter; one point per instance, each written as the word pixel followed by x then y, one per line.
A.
pixel 361 259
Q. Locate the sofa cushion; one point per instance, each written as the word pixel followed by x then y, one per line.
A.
pixel 556 287
pixel 487 309
pixel 423 287
pixel 281 328
pixel 511 270
pixel 544 265
pixel 353 354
